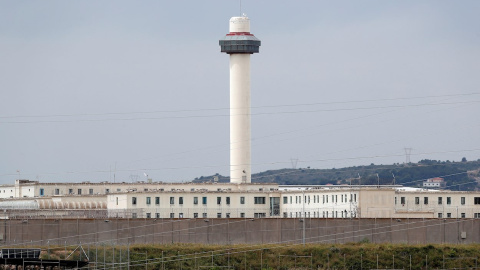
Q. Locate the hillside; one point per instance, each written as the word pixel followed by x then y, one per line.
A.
pixel 458 175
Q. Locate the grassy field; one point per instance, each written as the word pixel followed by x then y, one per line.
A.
pixel 310 256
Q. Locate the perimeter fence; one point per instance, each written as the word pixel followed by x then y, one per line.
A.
pixel 111 256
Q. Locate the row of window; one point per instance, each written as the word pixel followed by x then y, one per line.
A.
pixel 70 191
pixel 325 214
pixel 204 215
pixel 476 200
pixel 148 201
pixel 316 199
pixel 79 191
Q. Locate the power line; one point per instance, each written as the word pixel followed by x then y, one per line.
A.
pixel 225 115
pixel 219 109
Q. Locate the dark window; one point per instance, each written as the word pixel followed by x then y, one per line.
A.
pixel 79 191
pixel 242 200
pixel 157 200
pixel 157 215
pixel 449 215
pixel 90 191
pixel 204 200
pixel 172 215
pixel 204 215
pixel 219 200
pixel 149 200
pixel 227 215
pixel 462 200
pixel 172 200
pixel 449 200
pixel 195 200
pixel 242 215
pixel 463 215
pixel 42 192
pixel 180 200
pixel 476 200
pixel 440 200
pixel 259 200
pixel 219 215
pixel 402 200
pixel 425 200
pixel 70 191
pixel 57 191
pixel 195 215
pixel 134 200
pixel 227 200
pixel 285 200
pixel 417 200
pixel 149 215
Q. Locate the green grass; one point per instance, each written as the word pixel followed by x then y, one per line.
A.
pixel 361 255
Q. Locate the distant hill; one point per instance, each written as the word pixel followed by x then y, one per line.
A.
pixel 463 175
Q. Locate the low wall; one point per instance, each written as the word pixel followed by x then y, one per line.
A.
pixel 236 231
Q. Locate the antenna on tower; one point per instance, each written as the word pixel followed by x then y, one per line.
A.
pixel 408 151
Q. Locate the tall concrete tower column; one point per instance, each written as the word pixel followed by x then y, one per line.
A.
pixel 239 44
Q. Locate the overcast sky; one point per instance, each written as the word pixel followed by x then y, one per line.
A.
pixel 96 89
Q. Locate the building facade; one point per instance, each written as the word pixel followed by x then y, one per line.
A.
pixel 228 200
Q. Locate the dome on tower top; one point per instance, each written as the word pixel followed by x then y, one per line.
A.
pixel 239 24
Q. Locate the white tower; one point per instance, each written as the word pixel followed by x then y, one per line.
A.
pixel 239 44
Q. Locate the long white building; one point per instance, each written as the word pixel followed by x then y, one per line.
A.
pixel 228 200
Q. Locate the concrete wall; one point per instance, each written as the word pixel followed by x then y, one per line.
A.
pixel 236 231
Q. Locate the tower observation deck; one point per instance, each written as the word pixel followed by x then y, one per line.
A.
pixel 240 44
